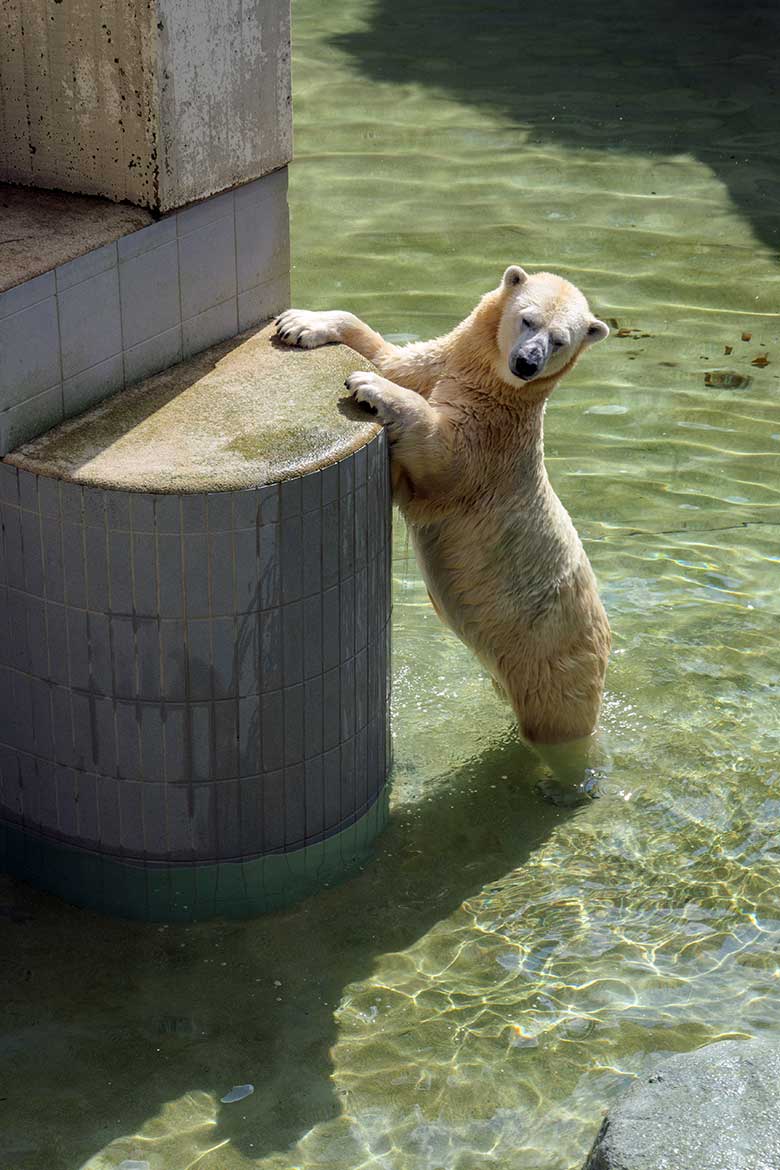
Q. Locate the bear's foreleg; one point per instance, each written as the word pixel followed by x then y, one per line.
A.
pixel 308 330
pixel 418 432
pixel 417 366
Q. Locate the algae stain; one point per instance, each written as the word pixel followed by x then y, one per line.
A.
pixel 281 444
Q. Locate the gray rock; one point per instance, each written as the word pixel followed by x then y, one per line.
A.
pixel 714 1109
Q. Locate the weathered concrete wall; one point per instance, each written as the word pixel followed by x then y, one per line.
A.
pixel 159 102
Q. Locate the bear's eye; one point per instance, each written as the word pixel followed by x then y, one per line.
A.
pixel 528 324
pixel 557 343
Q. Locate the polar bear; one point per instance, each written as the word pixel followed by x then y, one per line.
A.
pixel 504 566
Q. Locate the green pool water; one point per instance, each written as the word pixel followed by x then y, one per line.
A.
pixel 500 972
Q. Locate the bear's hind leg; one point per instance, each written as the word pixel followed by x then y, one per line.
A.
pixel 565 740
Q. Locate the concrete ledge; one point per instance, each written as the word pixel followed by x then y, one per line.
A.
pixel 242 414
pixel 43 229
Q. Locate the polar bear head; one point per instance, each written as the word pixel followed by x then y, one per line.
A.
pixel 545 325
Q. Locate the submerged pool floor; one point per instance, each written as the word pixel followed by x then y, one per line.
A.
pixel 481 992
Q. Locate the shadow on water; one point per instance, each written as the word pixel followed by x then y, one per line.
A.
pixel 165 1011
pixel 656 77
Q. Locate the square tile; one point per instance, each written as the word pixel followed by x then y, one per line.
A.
pixel 269 503
pixel 151 731
pixel 29 353
pixel 179 800
pixel 292 642
pixel 170 573
pixel 9 484
pixel 219 509
pixel 207 266
pixel 71 502
pixel 73 564
pixel 174 740
pixel 312 636
pixel 248 654
pixel 93 385
pixel 273 810
pixel 13 556
pixel 30 523
pixel 92 264
pixel 221 572
pixel 53 568
pixel 293 725
pixel 229 821
pixel 262 240
pixel 271 649
pixel 198 660
pixel 272 731
pixel 152 356
pixel 315 798
pixel 250 817
pixel 267 300
pixel 208 328
pixel 193 512
pixel 173 653
pixel 225 740
pixel 99 635
pixel 291 534
pixel 28 293
pixel 204 821
pixel 148 658
pixel 200 742
pixel 148 238
pixel 118 510
pixel 295 806
pixel 223 657
pixel 249 736
pixel 144 573
pixel 331 709
pixel 149 290
pixel 155 835
pixel 312 716
pixel 141 512
pixel 196 576
pixel 90 329
pixel 167 513
pixel 120 572
pixel 204 212
pixel 128 753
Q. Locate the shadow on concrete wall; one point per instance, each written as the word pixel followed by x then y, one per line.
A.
pixel 659 77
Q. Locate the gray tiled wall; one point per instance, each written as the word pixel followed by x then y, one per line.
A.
pixel 195 678
pixel 92 326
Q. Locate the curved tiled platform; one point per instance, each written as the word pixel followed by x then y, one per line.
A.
pixel 193 684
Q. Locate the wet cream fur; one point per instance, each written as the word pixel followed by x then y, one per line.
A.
pixel 504 566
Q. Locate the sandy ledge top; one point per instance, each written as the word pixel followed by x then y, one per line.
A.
pixel 40 230
pixel 244 413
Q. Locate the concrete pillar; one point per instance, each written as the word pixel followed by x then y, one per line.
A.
pixel 158 102
pixel 195 577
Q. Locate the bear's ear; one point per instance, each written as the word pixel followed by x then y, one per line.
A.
pixel 513 276
pixel 597 331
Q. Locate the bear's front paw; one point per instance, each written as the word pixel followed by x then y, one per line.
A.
pixel 376 392
pixel 364 386
pixel 307 330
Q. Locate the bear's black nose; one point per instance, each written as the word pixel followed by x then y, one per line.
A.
pixel 522 368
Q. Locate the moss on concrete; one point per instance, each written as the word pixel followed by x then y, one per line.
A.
pixel 247 411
